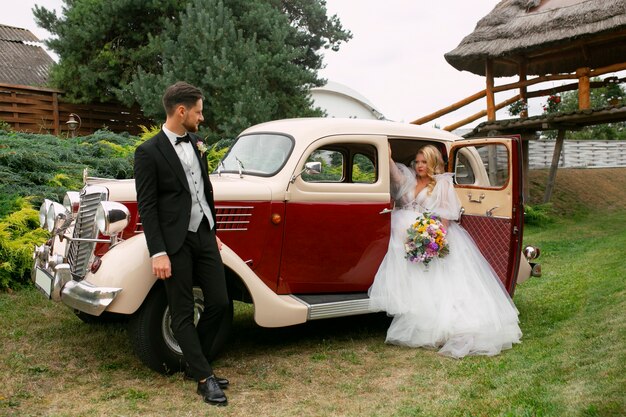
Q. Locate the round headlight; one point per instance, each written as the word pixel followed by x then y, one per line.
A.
pixel 56 217
pixel 71 201
pixel 111 217
pixel 43 212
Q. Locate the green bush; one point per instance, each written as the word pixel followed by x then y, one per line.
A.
pixel 538 215
pixel 19 232
pixel 45 166
pixel 34 167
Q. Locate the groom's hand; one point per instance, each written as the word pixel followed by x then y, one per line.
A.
pixel 161 267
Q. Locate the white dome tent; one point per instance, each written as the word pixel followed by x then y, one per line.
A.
pixel 340 101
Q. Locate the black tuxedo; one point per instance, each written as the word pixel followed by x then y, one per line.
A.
pixel 164 201
pixel 163 193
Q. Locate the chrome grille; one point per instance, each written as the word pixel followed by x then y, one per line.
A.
pixel 79 253
pixel 233 217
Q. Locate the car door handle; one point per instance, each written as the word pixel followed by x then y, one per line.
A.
pixel 489 213
pixel 476 200
pixel 385 211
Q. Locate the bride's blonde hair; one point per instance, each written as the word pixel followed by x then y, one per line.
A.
pixel 434 164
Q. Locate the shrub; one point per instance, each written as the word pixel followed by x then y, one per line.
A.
pixel 19 231
pixel 538 215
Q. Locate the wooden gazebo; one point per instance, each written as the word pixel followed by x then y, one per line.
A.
pixel 540 41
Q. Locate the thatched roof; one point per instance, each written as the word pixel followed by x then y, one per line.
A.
pixel 553 36
pixel 22 60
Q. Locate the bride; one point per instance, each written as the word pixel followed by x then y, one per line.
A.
pixel 456 303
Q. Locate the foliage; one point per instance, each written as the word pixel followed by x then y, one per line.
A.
pixel 613 92
pixel 516 108
pixel 4 126
pixel 608 131
pixel 18 232
pixel 247 76
pixel 214 155
pixel 254 59
pixel 538 215
pixel 101 43
pixel 552 104
pixel 45 166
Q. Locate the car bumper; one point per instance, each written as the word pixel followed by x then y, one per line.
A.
pixel 58 285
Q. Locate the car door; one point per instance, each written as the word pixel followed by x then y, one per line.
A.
pixel 488 181
pixel 335 234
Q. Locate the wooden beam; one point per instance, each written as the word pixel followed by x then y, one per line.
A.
pixel 491 102
pixel 584 94
pixel 450 108
pixel 558 146
pixel 480 114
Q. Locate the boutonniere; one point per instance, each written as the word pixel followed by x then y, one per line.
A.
pixel 201 147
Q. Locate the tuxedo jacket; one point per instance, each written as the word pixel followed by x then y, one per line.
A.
pixel 163 195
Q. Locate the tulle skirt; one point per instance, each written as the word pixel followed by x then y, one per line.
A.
pixel 455 304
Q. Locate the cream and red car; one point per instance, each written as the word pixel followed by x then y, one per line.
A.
pixel 303 208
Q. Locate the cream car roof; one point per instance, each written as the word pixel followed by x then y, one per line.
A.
pixel 307 130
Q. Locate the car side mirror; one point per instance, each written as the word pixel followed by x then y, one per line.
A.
pixel 311 168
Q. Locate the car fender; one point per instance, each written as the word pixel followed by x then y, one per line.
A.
pixel 270 309
pixel 126 265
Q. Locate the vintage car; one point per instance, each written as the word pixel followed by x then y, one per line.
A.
pixel 303 208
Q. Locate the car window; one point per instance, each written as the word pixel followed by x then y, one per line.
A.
pixel 482 165
pixel 363 169
pixel 261 154
pixel 335 167
pixel 332 166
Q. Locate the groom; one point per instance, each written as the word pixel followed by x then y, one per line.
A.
pixel 175 201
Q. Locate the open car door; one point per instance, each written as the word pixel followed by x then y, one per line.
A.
pixel 488 181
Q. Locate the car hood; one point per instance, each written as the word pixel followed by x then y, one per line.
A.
pixel 233 188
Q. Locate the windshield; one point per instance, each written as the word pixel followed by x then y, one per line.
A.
pixel 262 154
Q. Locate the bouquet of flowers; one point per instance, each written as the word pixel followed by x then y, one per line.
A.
pixel 426 239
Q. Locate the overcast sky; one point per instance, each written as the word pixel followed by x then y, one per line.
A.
pixel 395 58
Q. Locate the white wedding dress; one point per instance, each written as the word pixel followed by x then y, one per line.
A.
pixel 456 303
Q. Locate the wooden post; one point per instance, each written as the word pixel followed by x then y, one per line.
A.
pixel 555 164
pixel 584 94
pixel 523 92
pixel 491 102
pixel 55 114
pixel 522 80
pixel 526 165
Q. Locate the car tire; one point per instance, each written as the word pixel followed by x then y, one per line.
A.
pixel 153 340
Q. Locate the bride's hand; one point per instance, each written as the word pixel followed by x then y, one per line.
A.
pixel 389 150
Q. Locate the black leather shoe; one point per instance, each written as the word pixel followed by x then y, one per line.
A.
pixel 222 382
pixel 211 392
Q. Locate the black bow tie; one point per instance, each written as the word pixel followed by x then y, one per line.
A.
pixel 185 138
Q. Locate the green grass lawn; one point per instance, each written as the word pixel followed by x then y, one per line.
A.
pixel 571 361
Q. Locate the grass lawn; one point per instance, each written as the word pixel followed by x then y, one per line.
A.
pixel 572 361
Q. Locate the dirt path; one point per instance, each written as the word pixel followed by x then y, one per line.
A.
pixel 575 189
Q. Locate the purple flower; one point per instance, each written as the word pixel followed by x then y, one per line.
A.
pixel 433 246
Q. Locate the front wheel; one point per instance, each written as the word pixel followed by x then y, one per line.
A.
pixel 153 340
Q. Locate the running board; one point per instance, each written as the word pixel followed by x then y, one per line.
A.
pixel 325 306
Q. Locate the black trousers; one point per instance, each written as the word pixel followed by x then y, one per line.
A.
pixel 198 263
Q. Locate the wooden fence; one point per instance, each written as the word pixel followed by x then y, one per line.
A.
pixel 42 110
pixel 578 154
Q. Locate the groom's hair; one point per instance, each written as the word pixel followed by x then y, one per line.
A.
pixel 180 93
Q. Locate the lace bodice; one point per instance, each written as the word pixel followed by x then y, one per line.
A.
pixel 442 201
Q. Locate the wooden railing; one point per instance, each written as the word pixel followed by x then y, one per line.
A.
pixel 42 110
pixel 584 85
